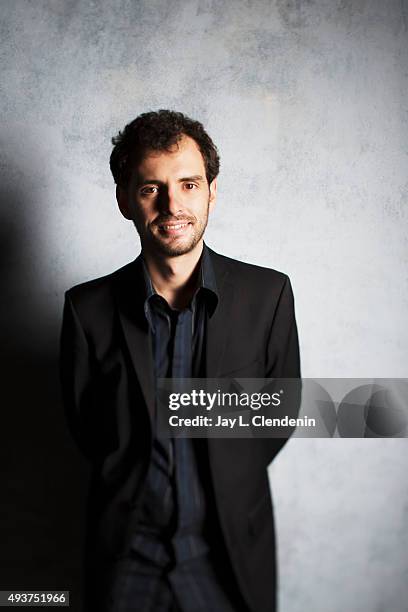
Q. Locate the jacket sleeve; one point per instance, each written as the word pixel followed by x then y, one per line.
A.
pixel 76 378
pixel 283 361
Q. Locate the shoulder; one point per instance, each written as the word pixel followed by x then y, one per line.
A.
pixel 98 291
pixel 247 275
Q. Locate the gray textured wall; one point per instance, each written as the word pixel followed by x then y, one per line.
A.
pixel 307 101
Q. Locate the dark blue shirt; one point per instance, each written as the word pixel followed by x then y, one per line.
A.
pixel 171 523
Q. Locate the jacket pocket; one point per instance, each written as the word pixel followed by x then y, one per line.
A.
pixel 252 369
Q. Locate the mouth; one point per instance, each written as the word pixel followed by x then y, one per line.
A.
pixel 172 229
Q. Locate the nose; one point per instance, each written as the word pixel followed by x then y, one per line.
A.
pixel 169 202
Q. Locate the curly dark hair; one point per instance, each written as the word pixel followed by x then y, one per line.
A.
pixel 158 131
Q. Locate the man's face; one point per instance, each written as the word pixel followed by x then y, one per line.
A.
pixel 169 199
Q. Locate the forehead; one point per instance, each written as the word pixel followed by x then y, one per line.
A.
pixel 182 157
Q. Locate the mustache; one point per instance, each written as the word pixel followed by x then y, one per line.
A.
pixel 164 219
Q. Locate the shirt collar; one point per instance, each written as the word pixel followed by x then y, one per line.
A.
pixel 207 284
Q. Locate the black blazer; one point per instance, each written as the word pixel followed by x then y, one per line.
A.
pixel 108 391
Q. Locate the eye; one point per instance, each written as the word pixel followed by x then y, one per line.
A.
pixel 149 190
pixel 190 186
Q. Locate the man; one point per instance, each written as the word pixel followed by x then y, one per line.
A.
pixel 173 524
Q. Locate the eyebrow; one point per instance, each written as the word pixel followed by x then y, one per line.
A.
pixel 196 177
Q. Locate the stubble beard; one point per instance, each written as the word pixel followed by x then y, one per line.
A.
pixel 154 242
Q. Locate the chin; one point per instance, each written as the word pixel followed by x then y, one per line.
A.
pixel 175 248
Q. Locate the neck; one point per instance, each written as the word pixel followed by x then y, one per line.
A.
pixel 175 278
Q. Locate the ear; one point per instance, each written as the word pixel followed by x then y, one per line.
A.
pixel 122 199
pixel 213 194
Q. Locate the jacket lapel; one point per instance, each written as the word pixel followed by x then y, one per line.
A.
pixel 217 324
pixel 130 295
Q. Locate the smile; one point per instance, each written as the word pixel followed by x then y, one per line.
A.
pixel 178 226
pixel 174 227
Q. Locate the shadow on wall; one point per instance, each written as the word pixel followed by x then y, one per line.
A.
pixel 44 480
